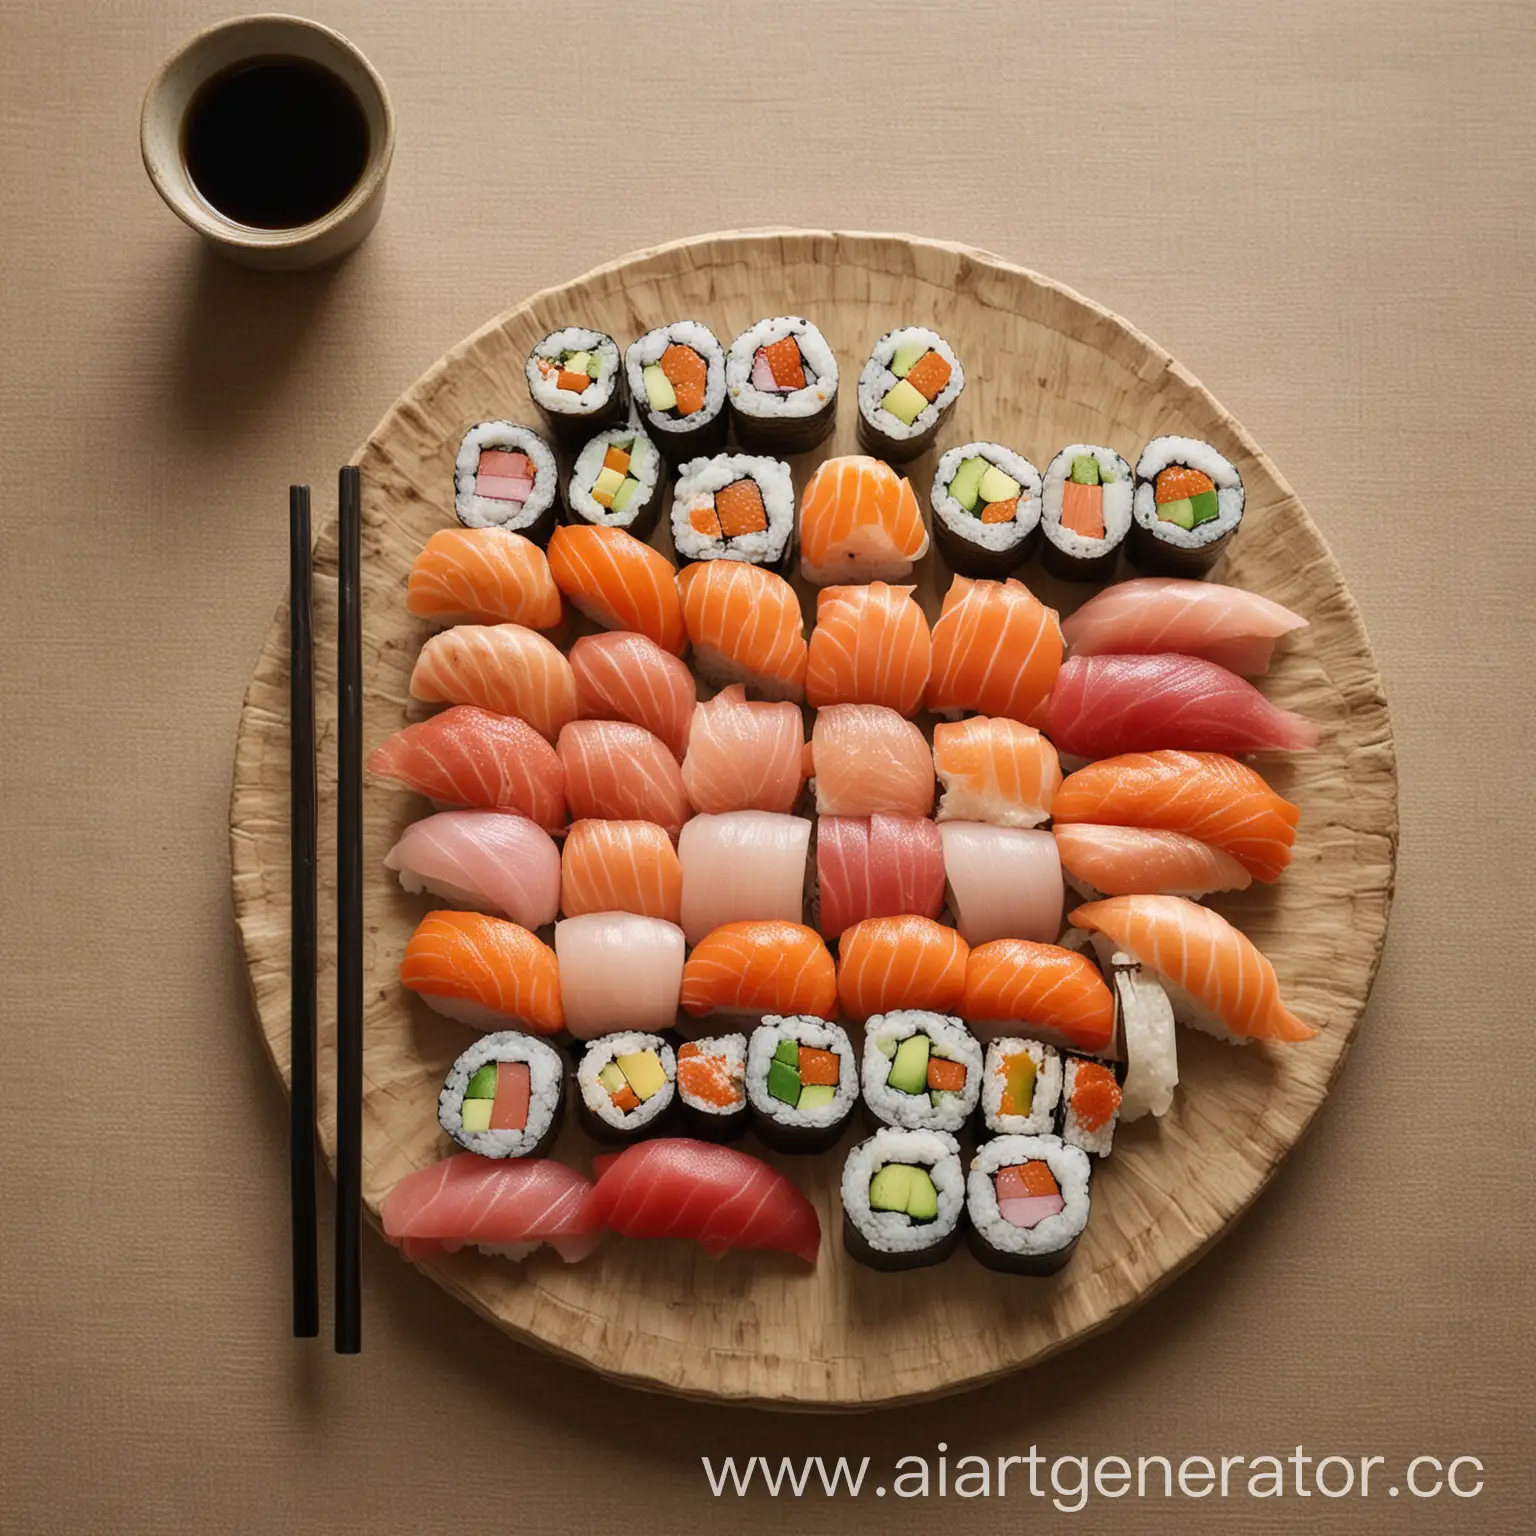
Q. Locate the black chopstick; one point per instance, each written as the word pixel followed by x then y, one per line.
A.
pixel 304 944
pixel 349 918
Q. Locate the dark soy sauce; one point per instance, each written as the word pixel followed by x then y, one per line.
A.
pixel 275 143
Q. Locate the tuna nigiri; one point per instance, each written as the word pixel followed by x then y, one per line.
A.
pixel 488 860
pixel 624 676
pixel 1014 987
pixel 745 626
pixel 1215 978
pixel 1004 882
pixel 618 972
pixel 504 668
pixel 1153 615
pixel 484 972
pixel 483 576
pixel 868 759
pixel 996 771
pixel 870 646
pixel 740 866
pixel 859 521
pixel 744 756
pixel 1202 794
pixel 621 772
pixel 714 1196
pixel 757 968
pixel 620 866
pixel 880 866
pixel 470 757
pixel 996 650
pixel 619 583
pixel 1103 705
pixel 1131 861
pixel 889 963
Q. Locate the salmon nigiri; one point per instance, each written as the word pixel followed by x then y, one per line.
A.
pixel 745 626
pixel 859 521
pixel 1216 979
pixel 620 772
pixel 618 582
pixel 996 650
pixel 1202 794
pixel 870 646
pixel 620 866
pixel 504 668
pixel 744 755
pixel 868 759
pixel 484 972
pixel 483 576
pixel 996 771
pixel 625 676
pixel 887 963
pixel 1015 987
pixel 470 757
pixel 1133 861
pixel 757 968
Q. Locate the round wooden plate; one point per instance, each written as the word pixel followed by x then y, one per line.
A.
pixel 1044 367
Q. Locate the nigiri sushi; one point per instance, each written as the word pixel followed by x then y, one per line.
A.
pixel 745 626
pixel 1204 795
pixel 470 757
pixel 620 866
pixel 711 1195
pixel 625 676
pixel 870 646
pixel 1104 705
pixel 996 771
pixel 740 866
pixel 744 756
pixel 1014 987
pixel 1004 882
pixel 1131 861
pixel 619 583
pixel 620 772
pixel 867 760
pixel 489 860
pixel 506 1208
pixel 618 972
pixel 484 972
pixel 996 650
pixel 879 866
pixel 483 576
pixel 889 963
pixel 1215 978
pixel 859 521
pixel 1153 615
pixel 752 969
pixel 504 668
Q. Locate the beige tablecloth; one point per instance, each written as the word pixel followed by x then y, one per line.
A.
pixel 1323 209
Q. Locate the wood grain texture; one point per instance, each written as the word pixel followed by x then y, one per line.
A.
pixel 1044 367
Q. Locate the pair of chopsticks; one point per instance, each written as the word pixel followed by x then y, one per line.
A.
pixel 349 918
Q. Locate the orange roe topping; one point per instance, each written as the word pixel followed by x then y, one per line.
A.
pixel 786 364
pixel 928 375
pixel 740 508
pixel 819 1066
pixel 1095 1095
pixel 1176 483
pixel 1000 511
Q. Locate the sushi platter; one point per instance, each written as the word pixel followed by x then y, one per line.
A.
pixel 630 693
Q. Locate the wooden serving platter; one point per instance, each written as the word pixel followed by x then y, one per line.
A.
pixel 1044 367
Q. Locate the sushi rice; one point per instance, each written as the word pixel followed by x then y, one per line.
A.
pixel 1047 1090
pixel 949 1040
pixel 1069 1167
pixel 546 1095
pixel 644 466
pixel 476 511
pixel 697 483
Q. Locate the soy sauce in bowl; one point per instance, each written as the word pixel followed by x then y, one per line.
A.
pixel 275 143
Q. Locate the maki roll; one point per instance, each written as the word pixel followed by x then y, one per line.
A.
pixel 986 509
pixel 734 506
pixel 903 1199
pixel 616 482
pixel 802 1083
pixel 505 1096
pixel 1189 501
pixel 712 1087
pixel 1027 1200
pixel 1085 512
pixel 676 377
pixel 576 382
pixel 781 385
pixel 1020 1088
pixel 1090 1105
pixel 906 391
pixel 922 1070
pixel 627 1086
pixel 506 477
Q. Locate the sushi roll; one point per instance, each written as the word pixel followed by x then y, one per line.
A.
pixel 506 477
pixel 802 1083
pixel 922 1070
pixel 577 383
pixel 712 1087
pixel 903 1199
pixel 676 377
pixel 616 482
pixel 781 386
pixel 618 969
pixel 1189 502
pixel 986 509
pixel 626 1086
pixel 1090 1105
pixel 505 1096
pixel 906 392
pixel 735 506
pixel 1020 1088
pixel 1085 512
pixel 1026 1199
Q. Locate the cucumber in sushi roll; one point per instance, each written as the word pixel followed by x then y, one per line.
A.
pixel 734 506
pixel 504 1096
pixel 921 1070
pixel 1026 1200
pixel 676 377
pixel 577 382
pixel 802 1082
pixel 712 1086
pixel 1189 502
pixel 903 1199
pixel 616 482
pixel 1020 1087
pixel 906 392
pixel 1085 512
pixel 986 509
pixel 626 1086
pixel 781 386
pixel 505 476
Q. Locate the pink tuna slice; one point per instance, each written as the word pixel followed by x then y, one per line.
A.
pixel 508 463
pixel 762 376
pixel 500 488
pixel 1030 1211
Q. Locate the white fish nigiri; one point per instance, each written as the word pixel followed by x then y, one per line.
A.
pixel 740 866
pixel 1004 882
pixel 490 861
pixel 619 971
